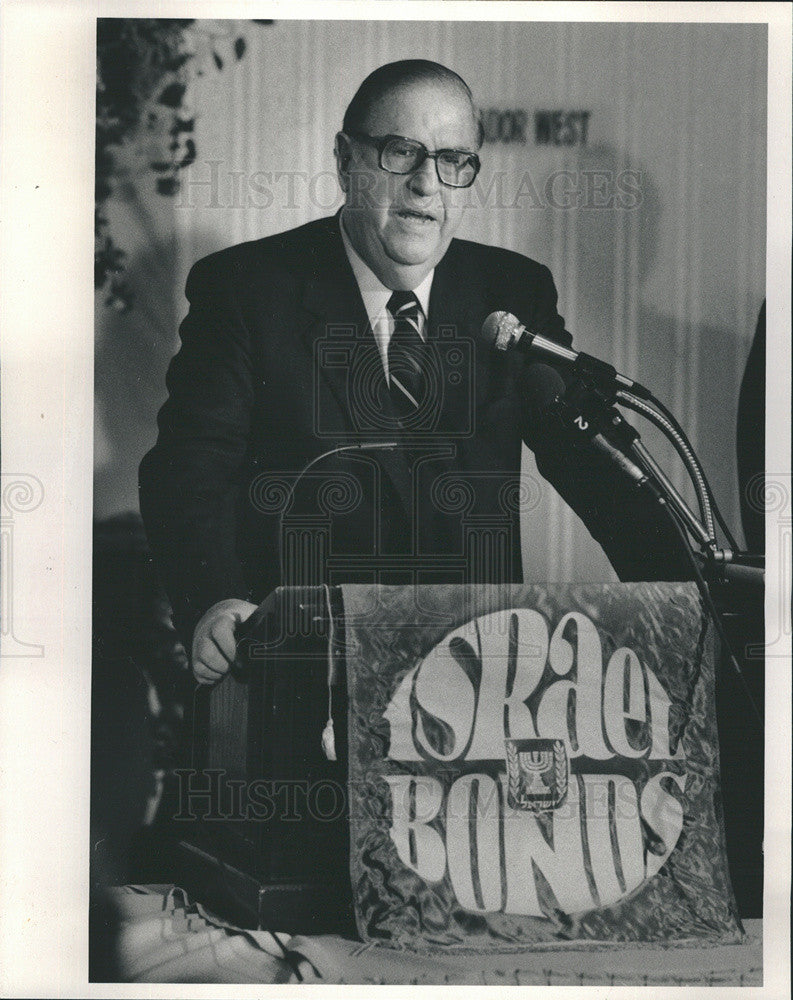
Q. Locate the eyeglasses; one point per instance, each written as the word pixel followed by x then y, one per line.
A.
pixel 398 155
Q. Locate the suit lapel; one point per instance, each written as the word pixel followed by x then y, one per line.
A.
pixel 456 304
pixel 339 340
pixel 334 312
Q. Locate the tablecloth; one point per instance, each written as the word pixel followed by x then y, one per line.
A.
pixel 162 936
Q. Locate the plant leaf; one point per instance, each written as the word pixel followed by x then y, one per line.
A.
pixel 167 186
pixel 172 96
pixel 183 125
pixel 190 154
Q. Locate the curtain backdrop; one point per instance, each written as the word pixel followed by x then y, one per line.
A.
pixel 665 282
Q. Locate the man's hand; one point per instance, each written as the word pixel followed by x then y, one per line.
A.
pixel 214 643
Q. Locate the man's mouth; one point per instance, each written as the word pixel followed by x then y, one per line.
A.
pixel 415 215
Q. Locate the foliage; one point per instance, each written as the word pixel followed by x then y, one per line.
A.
pixel 142 79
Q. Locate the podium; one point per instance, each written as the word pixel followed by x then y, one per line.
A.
pixel 264 816
pixel 268 844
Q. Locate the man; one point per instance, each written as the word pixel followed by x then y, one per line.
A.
pixel 299 346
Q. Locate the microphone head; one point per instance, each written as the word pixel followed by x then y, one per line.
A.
pixel 542 389
pixel 501 330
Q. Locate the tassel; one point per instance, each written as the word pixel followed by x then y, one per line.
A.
pixel 328 736
pixel 329 741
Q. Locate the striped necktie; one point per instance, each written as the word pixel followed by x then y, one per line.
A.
pixel 406 355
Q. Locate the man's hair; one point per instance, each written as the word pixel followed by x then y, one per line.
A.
pixel 398 74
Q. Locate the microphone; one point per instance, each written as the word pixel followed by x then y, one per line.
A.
pixel 505 332
pixel 544 388
pixel 549 397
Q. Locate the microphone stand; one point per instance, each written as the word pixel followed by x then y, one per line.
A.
pixel 588 410
pixel 597 406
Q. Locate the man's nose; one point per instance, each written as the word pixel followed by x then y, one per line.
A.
pixel 424 179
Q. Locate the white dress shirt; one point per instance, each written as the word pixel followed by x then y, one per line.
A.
pixel 375 297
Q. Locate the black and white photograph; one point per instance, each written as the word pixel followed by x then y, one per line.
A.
pixel 418 486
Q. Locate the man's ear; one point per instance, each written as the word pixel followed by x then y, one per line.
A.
pixel 343 154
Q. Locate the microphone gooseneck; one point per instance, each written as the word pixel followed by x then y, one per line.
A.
pixel 340 449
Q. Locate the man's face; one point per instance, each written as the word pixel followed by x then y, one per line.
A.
pixel 401 225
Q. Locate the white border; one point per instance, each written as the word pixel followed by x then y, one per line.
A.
pixel 47 76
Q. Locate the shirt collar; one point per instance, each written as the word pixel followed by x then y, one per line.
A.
pixel 374 293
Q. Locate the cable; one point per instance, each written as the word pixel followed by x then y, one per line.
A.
pixel 328 736
pixel 713 612
pixel 685 452
pixel 719 517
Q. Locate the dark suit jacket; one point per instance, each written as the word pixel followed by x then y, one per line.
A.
pixel 278 366
pixel 751 439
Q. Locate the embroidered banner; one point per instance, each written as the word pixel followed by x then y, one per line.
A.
pixel 534 764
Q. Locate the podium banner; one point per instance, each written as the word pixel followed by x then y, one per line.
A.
pixel 532 765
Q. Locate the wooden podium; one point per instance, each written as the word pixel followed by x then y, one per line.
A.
pixel 268 845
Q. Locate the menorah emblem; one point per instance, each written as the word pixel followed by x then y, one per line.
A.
pixel 537 773
pixel 532 765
